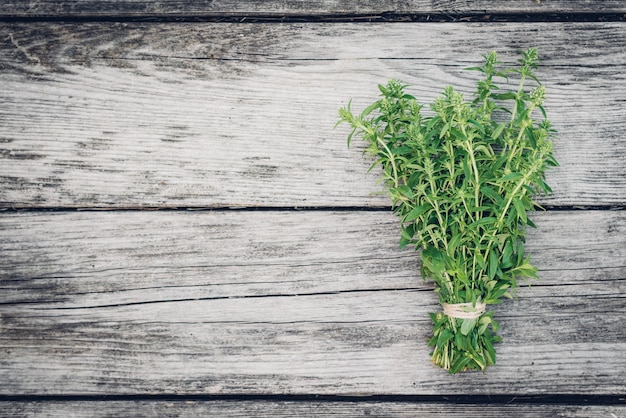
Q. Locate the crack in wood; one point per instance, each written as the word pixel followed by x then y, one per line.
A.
pixel 212 298
pixel 386 17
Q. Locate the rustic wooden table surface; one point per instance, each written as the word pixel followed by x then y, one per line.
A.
pixel 183 232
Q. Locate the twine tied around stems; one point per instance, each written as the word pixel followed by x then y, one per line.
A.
pixel 463 310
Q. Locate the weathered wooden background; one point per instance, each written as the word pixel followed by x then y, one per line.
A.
pixel 183 232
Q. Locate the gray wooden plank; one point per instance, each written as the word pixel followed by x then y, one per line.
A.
pixel 91 259
pixel 248 302
pixel 20 8
pixel 218 115
pixel 261 408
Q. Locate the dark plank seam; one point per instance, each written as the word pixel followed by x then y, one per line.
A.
pixel 547 399
pixel 168 208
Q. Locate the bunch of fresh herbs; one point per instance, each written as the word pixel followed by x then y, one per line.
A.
pixel 462 178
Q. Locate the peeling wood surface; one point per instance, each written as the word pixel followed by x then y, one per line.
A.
pixel 216 115
pixel 200 302
pixel 297 7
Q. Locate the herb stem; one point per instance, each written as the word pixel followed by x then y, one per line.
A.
pixel 470 151
pixel 469 213
pixel 396 181
pixel 512 195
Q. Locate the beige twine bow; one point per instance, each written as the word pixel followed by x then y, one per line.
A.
pixel 463 310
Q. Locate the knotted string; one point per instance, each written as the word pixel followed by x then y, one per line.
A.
pixel 463 310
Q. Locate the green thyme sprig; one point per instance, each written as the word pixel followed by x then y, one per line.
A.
pixel 462 178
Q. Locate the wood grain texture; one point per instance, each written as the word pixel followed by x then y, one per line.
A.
pixel 220 115
pixel 161 8
pixel 291 409
pixel 287 302
pixel 90 258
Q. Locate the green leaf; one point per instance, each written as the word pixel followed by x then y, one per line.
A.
pixel 414 179
pixel 511 217
pixel 489 352
pixel 466 169
pixel 481 222
pixel 525 270
pixel 493 265
pixel 530 134
pixel 460 341
pixel 405 191
pixel 498 131
pixel 490 193
pixel 445 336
pixel 454 243
pixel 521 211
pixel 408 231
pixel 458 134
pixel 483 324
pixel 505 96
pixel 460 364
pixel 417 212
pixel 370 108
pixel 477 124
pixel 468 326
pixel 402 150
pixel 444 130
pixel 507 256
pixel 498 292
pixel 510 177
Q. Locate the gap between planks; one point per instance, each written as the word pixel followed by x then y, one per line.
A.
pixel 495 399
pixel 242 10
pixel 166 208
